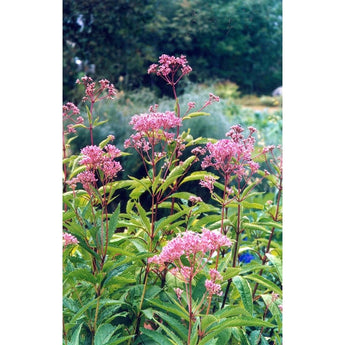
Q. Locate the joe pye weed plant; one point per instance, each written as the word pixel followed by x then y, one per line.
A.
pixel 162 266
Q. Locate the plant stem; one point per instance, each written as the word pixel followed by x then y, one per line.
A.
pixel 190 310
pixel 264 258
pixel 138 319
pixel 234 259
pixel 90 124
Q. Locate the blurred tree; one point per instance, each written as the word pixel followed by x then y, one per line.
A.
pixel 240 40
pixel 109 34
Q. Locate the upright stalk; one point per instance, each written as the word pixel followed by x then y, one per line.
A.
pixel 234 259
pixel 190 310
pixel 264 258
pixel 90 123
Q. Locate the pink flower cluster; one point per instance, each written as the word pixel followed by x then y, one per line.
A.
pixel 95 159
pixel 212 98
pixel 68 110
pixel 69 239
pixel 152 128
pixel 194 199
pixel 232 156
pixel 193 246
pixel 169 66
pixel 213 288
pixel 208 182
pixel 95 93
pixel 178 292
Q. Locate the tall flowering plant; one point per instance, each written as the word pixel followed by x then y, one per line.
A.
pixel 197 249
pixel 146 261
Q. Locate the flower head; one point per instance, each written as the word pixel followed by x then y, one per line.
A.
pixel 168 68
pixel 208 182
pixel 232 156
pixel 94 92
pixel 69 239
pixel 152 128
pixel 194 247
pixel 178 292
pixel 213 288
pixel 194 199
pixel 68 112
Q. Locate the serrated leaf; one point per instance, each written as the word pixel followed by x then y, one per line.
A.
pixel 75 336
pixel 174 325
pixel 234 322
pixel 103 334
pixel 253 205
pixel 197 175
pixel 230 312
pixel 176 172
pixel 182 195
pixel 255 226
pixel 157 337
pixel 170 219
pixel 82 274
pixel 143 217
pixel 277 263
pixel 231 272
pixel 245 292
pixel 265 282
pixel 120 340
pixel 68 215
pixel 171 309
pixel 207 321
pixel 273 308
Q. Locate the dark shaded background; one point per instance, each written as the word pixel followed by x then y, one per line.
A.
pixel 237 40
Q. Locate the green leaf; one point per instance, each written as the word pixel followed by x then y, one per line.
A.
pixel 235 322
pixel 75 336
pixel 81 311
pixel 224 336
pixel 273 308
pixel 255 226
pixel 228 311
pixel 251 205
pixel 194 335
pixel 182 195
pixel 231 272
pixel 139 186
pixel 176 172
pixel 265 282
pixel 207 321
pixel 82 274
pixel 170 219
pixel 277 263
pixel 171 309
pixel 173 325
pixel 245 291
pixel 157 337
pixel 113 222
pixel 103 334
pixel 197 175
pixel 240 334
pixel 121 340
pixel 145 220
pixel 76 171
pixel 195 114
pixel 248 189
pixel 89 115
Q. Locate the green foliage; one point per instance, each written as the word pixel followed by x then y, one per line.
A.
pixel 115 291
